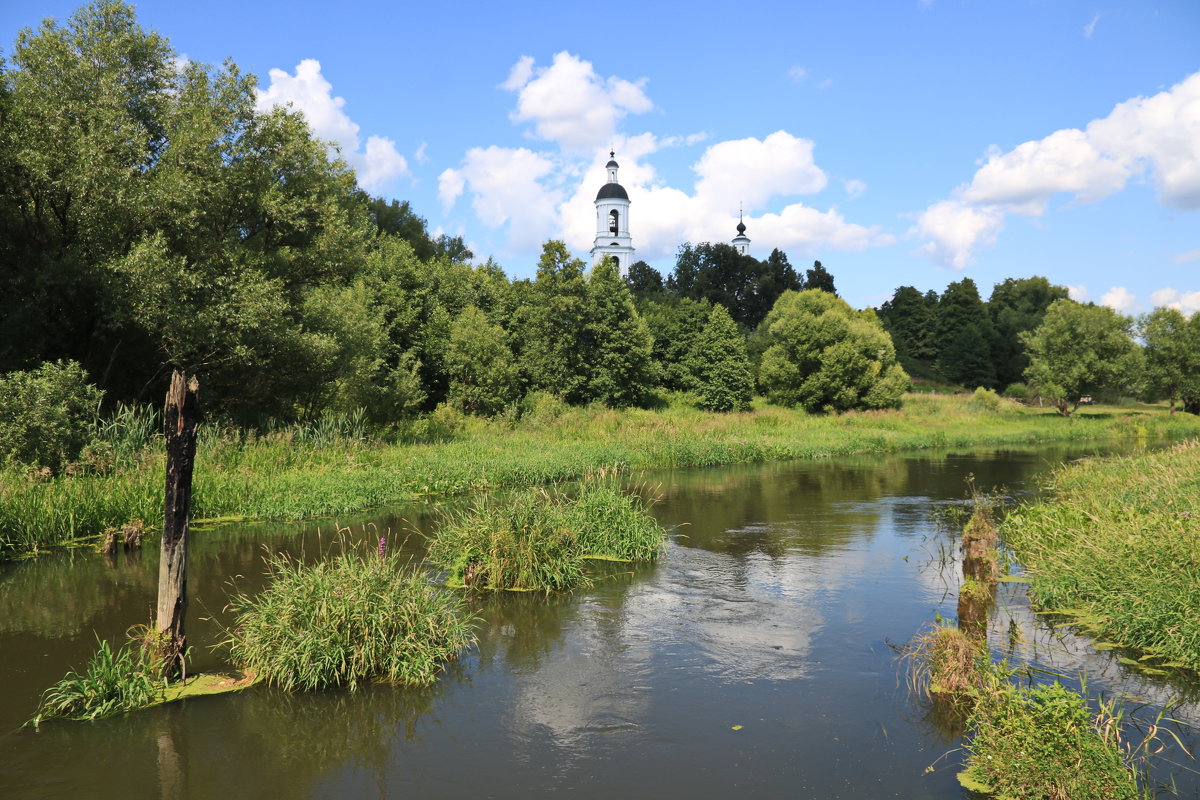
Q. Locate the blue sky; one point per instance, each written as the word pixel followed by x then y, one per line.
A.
pixel 913 142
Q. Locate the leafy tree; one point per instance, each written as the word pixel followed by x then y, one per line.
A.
pixel 718 273
pixel 674 324
pixel 819 278
pixel 909 317
pixel 965 335
pixel 1017 305
pixel 825 356
pixel 720 365
pixel 617 345
pixel 46 414
pixel 1172 354
pixel 551 326
pixel 483 375
pixel 644 281
pixel 1080 350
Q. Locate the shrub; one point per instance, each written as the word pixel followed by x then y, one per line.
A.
pixel 46 414
pixel 347 620
pixel 1019 392
pixel 985 399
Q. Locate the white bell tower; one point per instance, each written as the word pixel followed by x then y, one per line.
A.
pixel 741 242
pixel 612 221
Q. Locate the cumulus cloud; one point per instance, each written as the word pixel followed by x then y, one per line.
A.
pixel 551 194
pixel 1155 136
pixel 1119 299
pixel 1187 302
pixel 507 189
pixel 377 163
pixel 855 188
pixel 569 104
pixel 1078 293
pixel 1183 258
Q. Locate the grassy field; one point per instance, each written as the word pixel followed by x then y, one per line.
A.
pixel 1118 548
pixel 291 475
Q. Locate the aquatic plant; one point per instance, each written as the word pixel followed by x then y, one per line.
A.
pixel 538 540
pixel 1118 549
pixel 110 684
pixel 351 619
pixel 943 660
pixel 1045 743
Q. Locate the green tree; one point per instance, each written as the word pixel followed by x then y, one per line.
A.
pixel 822 355
pixel 719 362
pixel 46 414
pixel 616 344
pixel 718 273
pixel 674 324
pixel 483 375
pixel 1172 354
pixel 1017 305
pixel 551 336
pixel 909 317
pixel 644 281
pixel 965 336
pixel 1080 350
pixel 819 278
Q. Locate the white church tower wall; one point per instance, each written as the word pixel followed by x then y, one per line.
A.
pixel 612 221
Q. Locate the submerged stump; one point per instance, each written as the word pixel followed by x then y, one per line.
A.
pixel 180 415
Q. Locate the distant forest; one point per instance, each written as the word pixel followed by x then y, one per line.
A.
pixel 151 219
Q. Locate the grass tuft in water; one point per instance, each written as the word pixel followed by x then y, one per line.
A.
pixel 346 621
pixel 538 540
pixel 113 682
pixel 1045 742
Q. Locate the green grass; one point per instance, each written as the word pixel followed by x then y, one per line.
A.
pixel 348 620
pixel 1118 549
pixel 1045 742
pixel 332 469
pixel 111 683
pixel 536 540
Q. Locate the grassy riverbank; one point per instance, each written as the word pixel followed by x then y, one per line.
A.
pixel 1118 548
pixel 288 475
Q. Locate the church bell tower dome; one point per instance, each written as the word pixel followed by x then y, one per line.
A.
pixel 612 220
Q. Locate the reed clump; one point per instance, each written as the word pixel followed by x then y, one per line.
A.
pixel 540 540
pixel 1118 549
pixel 113 682
pixel 944 661
pixel 349 620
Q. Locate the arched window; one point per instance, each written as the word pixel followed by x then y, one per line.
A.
pixel 613 218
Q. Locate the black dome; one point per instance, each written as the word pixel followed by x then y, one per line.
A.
pixel 611 165
pixel 611 191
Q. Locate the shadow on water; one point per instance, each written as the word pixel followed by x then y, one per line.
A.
pixel 752 658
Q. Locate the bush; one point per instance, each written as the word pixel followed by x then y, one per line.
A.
pixel 1019 392
pixel 348 620
pixel 985 399
pixel 46 414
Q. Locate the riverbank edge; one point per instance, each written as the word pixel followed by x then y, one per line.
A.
pixel 1116 552
pixel 244 477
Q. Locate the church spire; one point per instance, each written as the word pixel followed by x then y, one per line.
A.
pixel 741 242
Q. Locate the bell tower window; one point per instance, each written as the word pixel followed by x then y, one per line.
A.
pixel 613 219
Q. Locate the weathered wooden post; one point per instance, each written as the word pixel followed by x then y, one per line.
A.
pixel 179 426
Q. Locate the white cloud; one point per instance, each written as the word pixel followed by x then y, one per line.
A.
pixel 1078 293
pixel 1090 28
pixel 377 164
pixel 1159 136
pixel 506 188
pixel 1119 299
pixel 1183 258
pixel 855 188
pixel 570 105
pixel 540 196
pixel 1187 302
pixel 797 74
pixel 825 84
pixel 420 156
pixel 951 230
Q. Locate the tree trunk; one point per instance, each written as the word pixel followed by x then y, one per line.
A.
pixel 179 426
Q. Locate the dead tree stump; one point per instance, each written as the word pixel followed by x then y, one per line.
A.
pixel 179 426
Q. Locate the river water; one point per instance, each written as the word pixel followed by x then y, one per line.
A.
pixel 758 657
